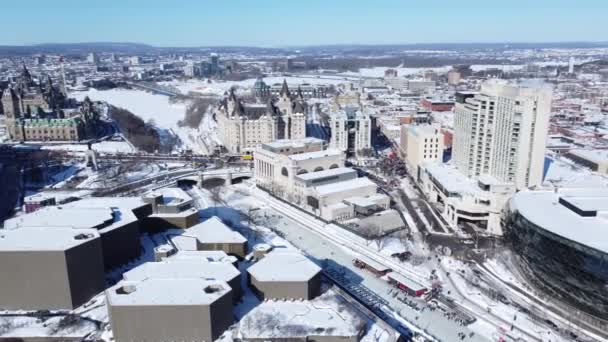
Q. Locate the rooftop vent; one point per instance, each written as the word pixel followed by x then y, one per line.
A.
pixel 83 236
pixel 126 289
pixel 212 289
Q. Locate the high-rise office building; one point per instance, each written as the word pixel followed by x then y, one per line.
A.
pixel 501 131
pixel 92 58
pixel 351 131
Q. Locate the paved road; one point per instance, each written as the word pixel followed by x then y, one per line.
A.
pixel 320 248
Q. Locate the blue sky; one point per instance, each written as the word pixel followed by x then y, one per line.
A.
pixel 303 22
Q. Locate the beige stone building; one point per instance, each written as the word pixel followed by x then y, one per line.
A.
pixel 420 144
pixel 34 112
pixel 242 127
pixel 278 163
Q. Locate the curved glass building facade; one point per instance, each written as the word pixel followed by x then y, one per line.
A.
pixel 552 242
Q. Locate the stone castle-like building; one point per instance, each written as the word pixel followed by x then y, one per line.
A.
pixel 34 111
pixel 244 126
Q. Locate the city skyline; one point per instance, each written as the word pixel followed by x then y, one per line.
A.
pixel 274 24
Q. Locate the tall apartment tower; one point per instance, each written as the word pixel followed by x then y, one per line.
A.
pixel 351 131
pixel 501 131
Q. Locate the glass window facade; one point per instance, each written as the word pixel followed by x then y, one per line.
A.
pixel 570 271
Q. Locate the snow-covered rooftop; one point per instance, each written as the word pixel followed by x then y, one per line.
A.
pixel 63 217
pixel 596 156
pixel 154 291
pixel 44 239
pixel 213 230
pixel 326 173
pixel 295 143
pixel 208 256
pixel 316 154
pixel 543 208
pixel 107 202
pixel 344 186
pixel 171 196
pixel 284 266
pixel 451 179
pixel 175 269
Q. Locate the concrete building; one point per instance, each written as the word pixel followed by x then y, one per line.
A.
pixel 285 275
pixel 421 144
pixel 171 207
pixel 190 69
pixel 502 132
pixel 596 160
pixel 351 131
pixel 278 163
pixel 243 127
pixel 343 200
pixel 92 58
pixel 49 269
pixel 463 199
pixel 177 268
pixel 186 309
pixel 214 235
pixel 421 86
pixel 348 98
pixel 116 223
pixel 304 183
pixel 453 77
pixel 434 105
pixel 208 256
pixel 37 201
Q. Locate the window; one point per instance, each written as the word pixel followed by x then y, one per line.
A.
pixel 284 172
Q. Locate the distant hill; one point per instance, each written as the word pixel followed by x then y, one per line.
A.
pixel 81 48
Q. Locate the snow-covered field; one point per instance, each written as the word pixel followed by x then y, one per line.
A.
pixel 379 71
pixel 151 107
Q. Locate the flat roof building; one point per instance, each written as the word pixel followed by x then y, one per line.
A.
pixel 188 268
pixel 465 199
pixel 209 256
pixel 596 160
pixel 171 207
pixel 214 235
pixel 285 275
pixel 49 269
pixel 185 309
pixel 115 221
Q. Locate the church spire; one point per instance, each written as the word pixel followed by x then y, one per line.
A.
pixel 285 89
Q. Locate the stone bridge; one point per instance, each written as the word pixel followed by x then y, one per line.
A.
pixel 223 176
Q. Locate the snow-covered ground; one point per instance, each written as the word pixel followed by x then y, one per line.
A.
pixel 379 71
pixel 103 147
pixel 151 107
